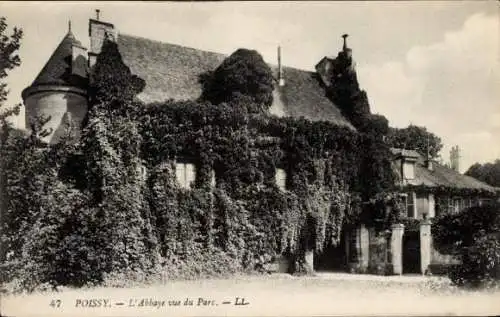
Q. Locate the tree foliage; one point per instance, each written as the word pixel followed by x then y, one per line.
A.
pixel 109 205
pixel 112 85
pixel 111 151
pixel 416 138
pixel 324 163
pixel 488 172
pixel 244 74
pixel 9 137
pixel 472 234
pixel 9 59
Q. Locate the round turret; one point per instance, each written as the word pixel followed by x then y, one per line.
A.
pixel 60 90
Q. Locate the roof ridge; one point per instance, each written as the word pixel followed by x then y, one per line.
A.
pixel 209 51
pixel 173 44
pixel 174 71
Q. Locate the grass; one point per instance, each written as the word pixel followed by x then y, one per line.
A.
pixel 278 294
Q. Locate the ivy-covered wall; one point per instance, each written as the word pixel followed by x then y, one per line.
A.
pixel 321 160
pixel 116 220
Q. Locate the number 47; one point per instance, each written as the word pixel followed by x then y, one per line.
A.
pixel 55 303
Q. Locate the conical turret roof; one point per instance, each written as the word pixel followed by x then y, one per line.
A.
pixel 57 70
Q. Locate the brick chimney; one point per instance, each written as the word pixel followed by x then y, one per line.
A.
pixel 281 78
pixel 98 31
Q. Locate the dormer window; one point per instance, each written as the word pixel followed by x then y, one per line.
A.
pixel 280 177
pixel 185 174
pixel 405 160
pixel 408 170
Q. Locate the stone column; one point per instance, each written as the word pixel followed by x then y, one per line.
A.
pixel 397 248
pixel 425 245
pixel 309 257
pixel 364 244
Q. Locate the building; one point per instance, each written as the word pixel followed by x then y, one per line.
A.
pixel 170 72
pixel 174 72
pixel 428 190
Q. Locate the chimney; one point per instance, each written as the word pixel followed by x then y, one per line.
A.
pixel 281 78
pixel 98 32
pixel 428 164
pixel 344 47
pixel 455 158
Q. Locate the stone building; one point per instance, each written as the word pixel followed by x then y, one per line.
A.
pixel 173 72
pixel 170 72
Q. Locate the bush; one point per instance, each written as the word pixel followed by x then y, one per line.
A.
pixel 473 235
pixel 480 263
pixel 243 74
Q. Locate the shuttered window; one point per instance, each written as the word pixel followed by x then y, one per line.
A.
pixel 185 174
pixel 409 204
pixel 281 178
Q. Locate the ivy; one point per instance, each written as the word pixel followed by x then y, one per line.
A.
pixel 136 221
pixel 330 170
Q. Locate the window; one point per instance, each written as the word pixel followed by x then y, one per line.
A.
pixel 468 202
pixel 143 172
pixel 408 170
pixel 281 178
pixel 485 201
pixel 451 206
pixel 409 204
pixel 185 174
pixel 455 205
pixel 441 206
pixel 213 181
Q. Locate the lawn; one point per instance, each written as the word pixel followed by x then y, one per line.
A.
pixel 278 294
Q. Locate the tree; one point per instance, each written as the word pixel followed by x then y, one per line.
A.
pixel 488 172
pixel 23 166
pixel 472 234
pixel 111 152
pixel 112 85
pixel 9 59
pixel 415 138
pixel 243 74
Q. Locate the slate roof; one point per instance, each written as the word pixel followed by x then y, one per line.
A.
pixel 444 176
pixel 173 72
pixel 57 70
pixel 440 175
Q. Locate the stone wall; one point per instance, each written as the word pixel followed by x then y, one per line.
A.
pixel 378 262
pixel 61 104
pixel 441 263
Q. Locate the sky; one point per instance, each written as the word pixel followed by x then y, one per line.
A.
pixel 434 64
